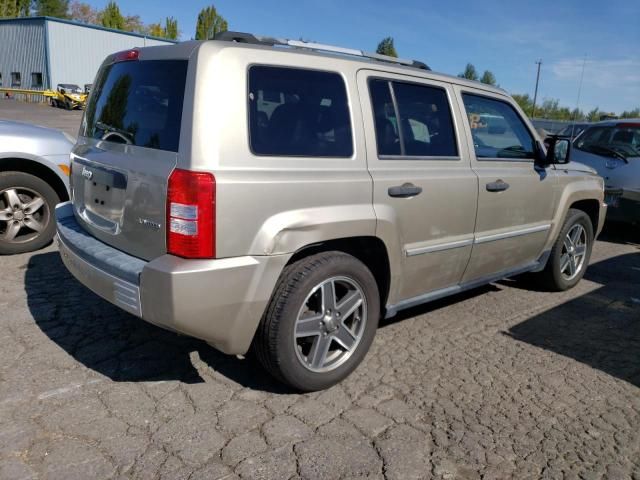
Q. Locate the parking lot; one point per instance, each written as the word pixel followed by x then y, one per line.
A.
pixel 501 382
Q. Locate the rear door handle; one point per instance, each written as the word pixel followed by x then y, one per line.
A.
pixel 497 186
pixel 405 190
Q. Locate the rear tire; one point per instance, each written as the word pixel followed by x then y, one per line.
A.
pixel 320 322
pixel 570 253
pixel 27 205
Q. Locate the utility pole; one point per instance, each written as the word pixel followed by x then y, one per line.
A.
pixel 535 95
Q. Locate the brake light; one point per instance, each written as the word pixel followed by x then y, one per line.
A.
pixel 126 56
pixel 191 214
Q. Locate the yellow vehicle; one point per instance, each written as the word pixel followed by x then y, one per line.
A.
pixel 67 95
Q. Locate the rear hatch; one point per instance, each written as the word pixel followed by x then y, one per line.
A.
pixel 127 149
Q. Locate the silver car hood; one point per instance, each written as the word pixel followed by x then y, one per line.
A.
pixel 25 137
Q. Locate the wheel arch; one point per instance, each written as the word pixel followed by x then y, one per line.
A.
pixel 591 207
pixel 37 169
pixel 370 250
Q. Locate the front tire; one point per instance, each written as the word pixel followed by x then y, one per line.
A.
pixel 320 322
pixel 570 253
pixel 27 206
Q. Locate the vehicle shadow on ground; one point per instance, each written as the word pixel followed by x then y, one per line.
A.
pixel 600 328
pixel 118 345
pixel 621 233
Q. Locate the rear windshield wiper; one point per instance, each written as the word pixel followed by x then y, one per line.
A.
pixel 111 131
pixel 602 150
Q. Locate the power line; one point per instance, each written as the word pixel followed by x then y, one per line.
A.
pixel 535 95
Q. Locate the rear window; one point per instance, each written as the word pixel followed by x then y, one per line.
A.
pixel 138 103
pixel 296 112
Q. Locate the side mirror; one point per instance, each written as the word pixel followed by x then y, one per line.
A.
pixel 558 150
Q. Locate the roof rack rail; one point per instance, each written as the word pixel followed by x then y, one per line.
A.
pixel 241 37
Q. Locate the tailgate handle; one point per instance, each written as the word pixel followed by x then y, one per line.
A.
pixel 405 190
pixel 497 186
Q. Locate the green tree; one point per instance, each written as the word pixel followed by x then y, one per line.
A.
pixel 171 28
pixel 111 16
pixel 8 8
pixel 210 23
pixel 15 8
pixel 525 102
pixel 155 30
pixel 594 115
pixel 489 78
pixel 469 72
pixel 52 8
pixel 635 113
pixel 386 47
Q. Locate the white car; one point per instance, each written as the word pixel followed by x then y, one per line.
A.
pixel 34 177
pixel 612 148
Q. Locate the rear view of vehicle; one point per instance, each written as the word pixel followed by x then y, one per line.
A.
pixel 173 214
pixel 613 149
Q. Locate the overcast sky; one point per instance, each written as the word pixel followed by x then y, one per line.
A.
pixel 506 37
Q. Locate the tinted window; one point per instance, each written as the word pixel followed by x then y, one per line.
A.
pixel 16 79
pixel 425 128
pixel 384 113
pixel 295 112
pixel 138 103
pixel 425 120
pixel 497 130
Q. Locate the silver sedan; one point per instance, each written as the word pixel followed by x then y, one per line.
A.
pixel 34 173
pixel 612 147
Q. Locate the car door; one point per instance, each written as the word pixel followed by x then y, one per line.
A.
pixel 516 197
pixel 424 191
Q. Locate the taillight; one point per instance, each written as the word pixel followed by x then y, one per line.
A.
pixel 126 56
pixel 191 214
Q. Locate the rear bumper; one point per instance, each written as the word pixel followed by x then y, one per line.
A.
pixel 219 301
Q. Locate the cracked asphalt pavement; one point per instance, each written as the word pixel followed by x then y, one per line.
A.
pixel 501 382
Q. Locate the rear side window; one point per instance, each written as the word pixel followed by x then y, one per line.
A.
pixel 296 112
pixel 497 129
pixel 425 125
pixel 138 103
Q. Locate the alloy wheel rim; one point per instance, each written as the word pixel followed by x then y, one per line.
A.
pixel 574 252
pixel 330 324
pixel 24 214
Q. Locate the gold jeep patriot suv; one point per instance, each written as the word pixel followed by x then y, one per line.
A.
pixel 284 196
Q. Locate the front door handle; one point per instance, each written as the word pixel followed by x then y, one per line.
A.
pixel 405 190
pixel 497 186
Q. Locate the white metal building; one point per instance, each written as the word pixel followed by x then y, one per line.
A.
pixel 41 52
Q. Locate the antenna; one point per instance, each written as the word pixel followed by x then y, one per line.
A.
pixel 573 126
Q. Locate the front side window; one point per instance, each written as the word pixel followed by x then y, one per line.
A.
pixel 300 113
pixel 137 103
pixel 16 79
pixel 425 125
pixel 497 129
pixel 36 80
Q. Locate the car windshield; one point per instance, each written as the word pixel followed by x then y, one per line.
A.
pixel 70 88
pixel 611 141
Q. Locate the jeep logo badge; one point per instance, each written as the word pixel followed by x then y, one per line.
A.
pixel 86 173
